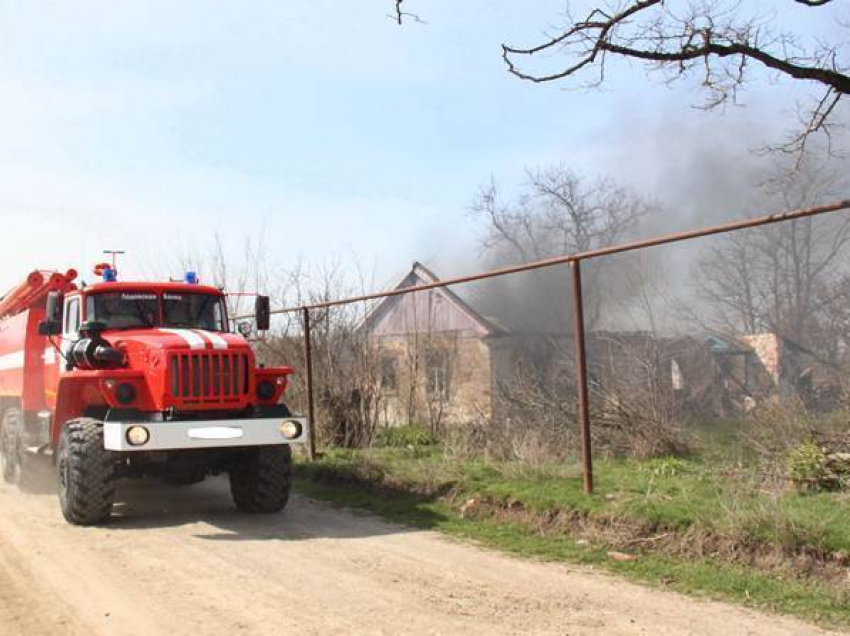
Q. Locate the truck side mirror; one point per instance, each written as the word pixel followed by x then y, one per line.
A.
pixel 262 313
pixel 52 323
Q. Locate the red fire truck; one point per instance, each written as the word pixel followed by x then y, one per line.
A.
pixel 127 379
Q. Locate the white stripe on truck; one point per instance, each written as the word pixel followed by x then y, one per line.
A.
pixel 192 339
pixel 217 341
pixel 14 360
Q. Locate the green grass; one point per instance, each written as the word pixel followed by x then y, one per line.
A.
pixel 407 486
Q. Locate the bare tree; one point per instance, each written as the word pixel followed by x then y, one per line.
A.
pixel 720 41
pixel 557 211
pixel 787 278
pixel 241 275
pixel 832 332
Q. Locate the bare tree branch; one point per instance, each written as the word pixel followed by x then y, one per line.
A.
pixel 718 41
pixel 399 15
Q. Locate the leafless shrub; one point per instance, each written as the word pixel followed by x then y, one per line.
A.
pixel 534 405
pixel 633 409
pixel 345 362
pixel 637 425
pixel 636 411
pixel 775 428
pixel 468 439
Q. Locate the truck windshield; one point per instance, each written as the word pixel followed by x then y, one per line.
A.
pixel 195 311
pixel 123 310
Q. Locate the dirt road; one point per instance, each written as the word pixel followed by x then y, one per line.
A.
pixel 181 561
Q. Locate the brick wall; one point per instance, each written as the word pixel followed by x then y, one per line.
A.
pixel 416 399
pixel 768 350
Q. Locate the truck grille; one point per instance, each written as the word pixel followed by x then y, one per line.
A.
pixel 209 377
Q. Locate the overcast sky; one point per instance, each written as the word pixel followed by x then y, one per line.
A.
pixel 152 126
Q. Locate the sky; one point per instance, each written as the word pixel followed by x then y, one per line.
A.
pixel 321 127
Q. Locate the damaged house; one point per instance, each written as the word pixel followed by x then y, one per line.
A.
pixel 442 363
pixel 435 355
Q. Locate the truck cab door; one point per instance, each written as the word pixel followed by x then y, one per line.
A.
pixel 71 319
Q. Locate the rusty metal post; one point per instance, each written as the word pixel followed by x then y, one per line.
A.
pixel 308 371
pixel 581 377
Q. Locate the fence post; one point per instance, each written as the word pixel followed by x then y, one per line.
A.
pixel 581 377
pixel 308 372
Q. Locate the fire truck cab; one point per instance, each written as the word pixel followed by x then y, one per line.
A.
pixel 119 380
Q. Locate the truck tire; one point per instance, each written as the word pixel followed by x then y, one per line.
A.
pixel 262 481
pixel 86 473
pixel 11 453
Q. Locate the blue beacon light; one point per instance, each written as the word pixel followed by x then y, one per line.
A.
pixel 109 275
pixel 191 278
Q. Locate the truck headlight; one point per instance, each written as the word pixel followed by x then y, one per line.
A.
pixel 290 429
pixel 138 436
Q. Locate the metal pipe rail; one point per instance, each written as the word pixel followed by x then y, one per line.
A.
pixel 578 256
pixel 574 260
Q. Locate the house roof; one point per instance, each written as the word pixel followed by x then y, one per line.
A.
pixel 419 275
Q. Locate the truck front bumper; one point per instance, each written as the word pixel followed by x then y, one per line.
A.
pixel 180 435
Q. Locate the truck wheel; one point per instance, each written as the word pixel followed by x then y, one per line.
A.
pixel 11 455
pixel 86 473
pixel 262 481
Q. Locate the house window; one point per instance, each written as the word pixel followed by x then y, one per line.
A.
pixel 389 374
pixel 437 370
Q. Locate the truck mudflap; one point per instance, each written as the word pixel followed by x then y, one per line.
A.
pixel 130 436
